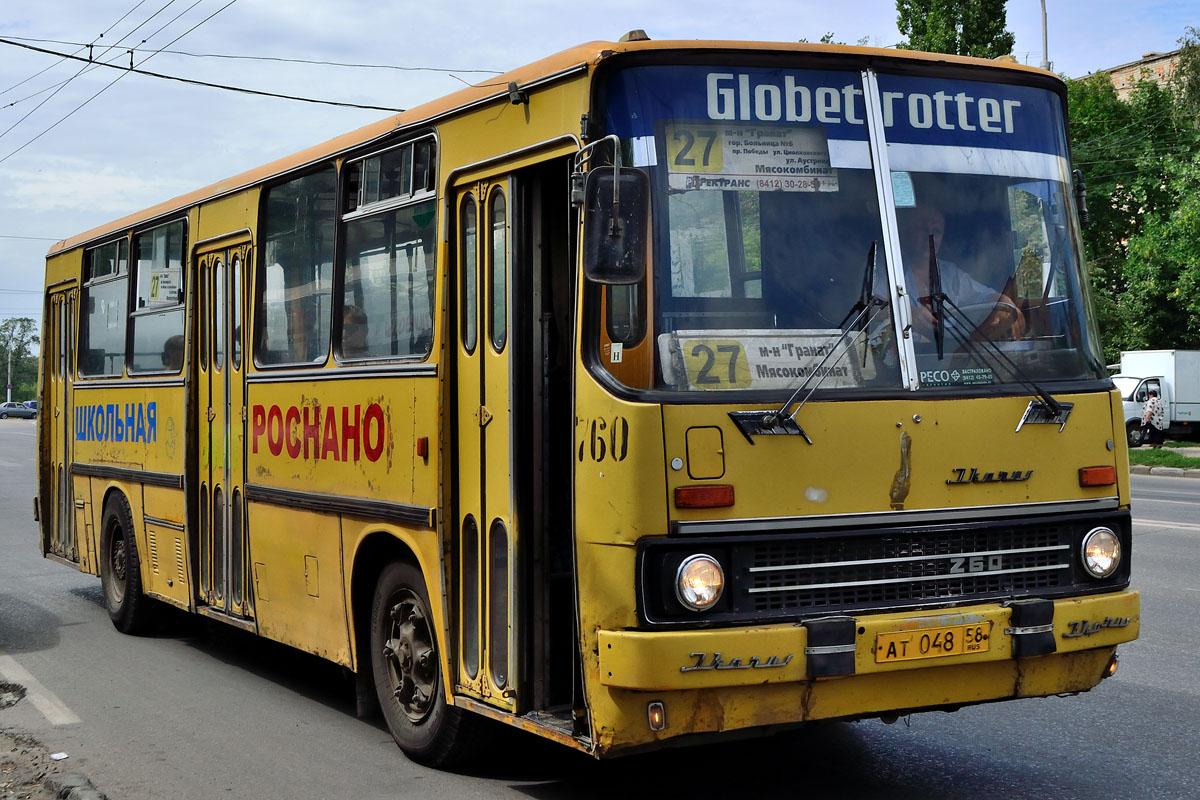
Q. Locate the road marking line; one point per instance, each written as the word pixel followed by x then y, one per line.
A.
pixel 1157 523
pixel 1174 502
pixel 54 710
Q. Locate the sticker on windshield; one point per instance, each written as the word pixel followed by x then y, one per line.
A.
pixel 757 158
pixel 969 376
pixel 758 359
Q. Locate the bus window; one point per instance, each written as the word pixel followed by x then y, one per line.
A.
pixel 158 313
pixel 102 349
pixel 469 280
pixel 499 272
pixel 295 272
pixel 388 291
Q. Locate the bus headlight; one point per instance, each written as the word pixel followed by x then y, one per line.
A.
pixel 699 582
pixel 1101 552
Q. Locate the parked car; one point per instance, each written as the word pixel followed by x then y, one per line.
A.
pixel 16 410
pixel 31 404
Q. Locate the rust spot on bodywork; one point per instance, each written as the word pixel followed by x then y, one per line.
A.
pixel 902 481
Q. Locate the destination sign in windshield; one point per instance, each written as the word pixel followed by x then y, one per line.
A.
pixel 750 157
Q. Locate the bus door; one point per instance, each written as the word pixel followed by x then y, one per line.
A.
pixel 223 551
pixel 56 413
pixel 486 526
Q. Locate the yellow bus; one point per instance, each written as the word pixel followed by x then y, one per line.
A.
pixel 650 392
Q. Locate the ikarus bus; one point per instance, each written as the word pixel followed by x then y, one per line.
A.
pixel 652 392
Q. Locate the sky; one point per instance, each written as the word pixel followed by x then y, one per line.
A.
pixel 66 167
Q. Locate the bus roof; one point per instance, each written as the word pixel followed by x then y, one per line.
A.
pixel 591 53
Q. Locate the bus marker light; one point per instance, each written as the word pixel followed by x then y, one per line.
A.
pixel 657 715
pixel 711 496
pixel 423 447
pixel 1111 669
pixel 1098 476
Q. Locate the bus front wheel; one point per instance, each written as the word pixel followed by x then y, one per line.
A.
pixel 407 670
pixel 120 569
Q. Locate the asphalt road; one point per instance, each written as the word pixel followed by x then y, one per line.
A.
pixel 200 711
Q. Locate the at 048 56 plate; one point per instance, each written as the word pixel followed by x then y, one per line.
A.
pixel 950 640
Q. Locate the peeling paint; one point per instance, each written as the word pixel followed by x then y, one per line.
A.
pixel 815 495
pixel 902 481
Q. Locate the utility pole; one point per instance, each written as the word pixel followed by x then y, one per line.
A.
pixel 1045 53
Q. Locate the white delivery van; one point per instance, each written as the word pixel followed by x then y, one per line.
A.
pixel 1176 375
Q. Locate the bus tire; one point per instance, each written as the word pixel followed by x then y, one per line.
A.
pixel 120 569
pixel 407 670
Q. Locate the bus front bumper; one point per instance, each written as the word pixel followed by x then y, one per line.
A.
pixel 868 644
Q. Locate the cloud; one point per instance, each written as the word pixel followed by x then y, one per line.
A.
pixel 66 185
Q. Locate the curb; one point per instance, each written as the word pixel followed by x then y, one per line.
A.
pixel 1171 472
pixel 73 786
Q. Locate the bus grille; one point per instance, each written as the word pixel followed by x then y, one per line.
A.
pixel 891 569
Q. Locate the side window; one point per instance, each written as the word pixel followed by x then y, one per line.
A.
pixel 715 244
pixel 388 291
pixel 626 318
pixel 389 280
pixel 294 275
pixel 158 305
pixel 105 296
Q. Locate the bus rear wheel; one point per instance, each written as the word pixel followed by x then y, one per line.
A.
pixel 407 670
pixel 1133 434
pixel 120 569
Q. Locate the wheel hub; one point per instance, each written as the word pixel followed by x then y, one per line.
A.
pixel 411 657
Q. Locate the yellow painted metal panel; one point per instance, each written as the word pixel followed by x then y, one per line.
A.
pixel 857 455
pixel 620 716
pixel 283 567
pixel 226 215
pixel 705 453
pixel 665 660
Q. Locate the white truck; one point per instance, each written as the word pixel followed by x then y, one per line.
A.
pixel 1176 375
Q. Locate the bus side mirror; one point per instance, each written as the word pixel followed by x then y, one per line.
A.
pixel 616 204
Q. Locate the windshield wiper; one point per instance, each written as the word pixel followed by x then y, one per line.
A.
pixel 998 356
pixel 780 421
pixel 937 299
pixel 865 298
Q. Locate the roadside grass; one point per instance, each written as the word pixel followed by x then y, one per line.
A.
pixel 1166 457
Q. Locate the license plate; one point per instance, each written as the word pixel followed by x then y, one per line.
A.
pixel 951 640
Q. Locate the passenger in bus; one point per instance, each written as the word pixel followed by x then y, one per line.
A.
pixel 172 354
pixel 354 332
pixel 996 317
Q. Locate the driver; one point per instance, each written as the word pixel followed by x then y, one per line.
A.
pixel 916 226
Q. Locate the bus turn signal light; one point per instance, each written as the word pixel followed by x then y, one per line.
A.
pixel 1097 476
pixel 712 496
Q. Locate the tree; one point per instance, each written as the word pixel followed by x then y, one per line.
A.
pixel 1134 158
pixel 16 335
pixel 1186 81
pixel 958 27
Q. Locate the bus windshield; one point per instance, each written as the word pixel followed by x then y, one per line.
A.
pixel 783 235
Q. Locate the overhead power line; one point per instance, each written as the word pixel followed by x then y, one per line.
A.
pixel 206 84
pixel 81 46
pixel 279 59
pixel 111 83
